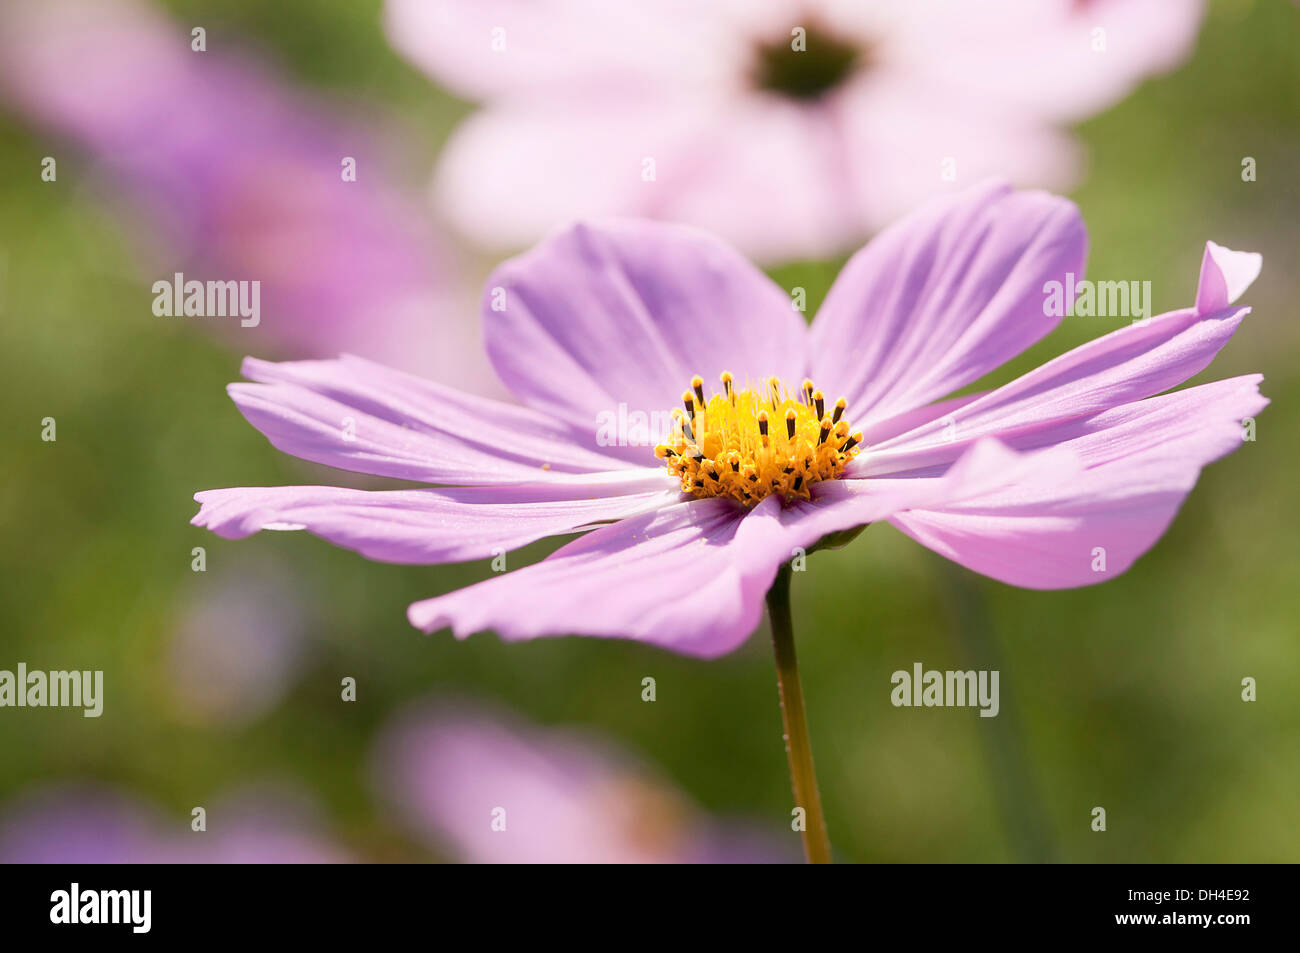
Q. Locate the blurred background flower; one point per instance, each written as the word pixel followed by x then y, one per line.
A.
pixel 230 173
pixel 790 129
pixel 463 778
pixel 95 825
pixel 496 790
pixel 238 646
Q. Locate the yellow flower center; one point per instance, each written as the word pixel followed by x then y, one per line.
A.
pixel 748 444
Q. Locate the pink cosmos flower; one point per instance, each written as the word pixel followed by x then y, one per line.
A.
pixel 1061 478
pixel 237 175
pixel 708 114
pixel 496 790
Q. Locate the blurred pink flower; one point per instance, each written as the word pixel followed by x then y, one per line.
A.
pixel 239 177
pixel 237 646
pixel 784 154
pixel 495 790
pixel 95 825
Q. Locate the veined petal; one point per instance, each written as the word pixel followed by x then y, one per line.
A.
pixel 1225 276
pixel 1141 461
pixel 689 578
pixel 355 415
pixel 987 466
pixel 880 431
pixel 627 312
pixel 1128 364
pixel 943 297
pixel 421 526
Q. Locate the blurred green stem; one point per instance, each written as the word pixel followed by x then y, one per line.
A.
pixel 798 746
pixel 1023 816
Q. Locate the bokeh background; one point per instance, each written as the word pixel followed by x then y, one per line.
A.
pixel 1126 696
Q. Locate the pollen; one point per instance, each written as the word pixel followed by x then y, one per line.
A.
pixel 749 443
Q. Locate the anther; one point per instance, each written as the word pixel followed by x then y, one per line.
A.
pixel 727 449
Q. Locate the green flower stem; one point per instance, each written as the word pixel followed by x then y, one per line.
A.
pixel 798 746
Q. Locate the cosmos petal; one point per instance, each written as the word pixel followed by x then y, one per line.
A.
pixel 425 525
pixel 627 313
pixel 1133 362
pixel 1141 460
pixel 355 415
pixel 689 578
pixel 943 297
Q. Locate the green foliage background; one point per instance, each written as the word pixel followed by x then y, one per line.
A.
pixel 1125 695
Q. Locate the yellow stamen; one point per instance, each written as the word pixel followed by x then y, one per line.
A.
pixel 724 445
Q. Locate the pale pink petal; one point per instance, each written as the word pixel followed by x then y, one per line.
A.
pixel 850 502
pixel 689 578
pixel 512 172
pixel 541 48
pixel 790 198
pixel 878 432
pixel 626 313
pixel 1133 362
pixel 426 525
pixel 906 142
pixel 355 415
pixel 1052 59
pixel 1141 460
pixel 943 297
pixel 1225 276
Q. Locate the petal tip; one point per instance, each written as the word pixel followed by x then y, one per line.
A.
pixel 1225 276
